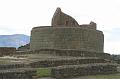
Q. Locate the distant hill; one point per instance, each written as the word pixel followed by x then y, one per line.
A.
pixel 15 40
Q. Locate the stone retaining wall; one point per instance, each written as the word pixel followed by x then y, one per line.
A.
pixel 15 74
pixel 65 61
pixel 81 70
pixel 11 66
pixel 75 53
pixel 7 51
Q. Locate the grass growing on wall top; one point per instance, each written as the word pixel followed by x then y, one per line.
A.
pixel 44 72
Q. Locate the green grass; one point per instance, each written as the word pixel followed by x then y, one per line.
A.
pixel 110 76
pixel 44 72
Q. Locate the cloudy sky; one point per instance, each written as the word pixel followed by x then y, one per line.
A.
pixel 20 16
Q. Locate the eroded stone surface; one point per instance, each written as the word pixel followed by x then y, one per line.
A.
pixel 62 19
pixel 68 48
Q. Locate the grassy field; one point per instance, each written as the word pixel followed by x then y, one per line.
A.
pixel 110 76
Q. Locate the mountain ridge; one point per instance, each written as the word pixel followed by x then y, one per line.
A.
pixel 14 40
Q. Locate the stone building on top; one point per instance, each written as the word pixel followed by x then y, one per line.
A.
pixel 66 33
pixel 65 37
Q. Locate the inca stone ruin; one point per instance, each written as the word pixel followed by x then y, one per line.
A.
pixel 65 33
pixel 67 48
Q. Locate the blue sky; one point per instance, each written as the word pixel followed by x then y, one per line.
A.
pixel 20 16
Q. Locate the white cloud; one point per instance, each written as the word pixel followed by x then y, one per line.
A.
pixel 112 41
pixel 112 47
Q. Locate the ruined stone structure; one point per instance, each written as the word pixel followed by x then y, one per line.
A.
pixel 62 19
pixel 16 74
pixel 7 51
pixel 65 37
pixel 68 49
pixel 81 70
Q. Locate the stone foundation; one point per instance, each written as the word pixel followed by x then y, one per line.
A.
pixel 65 61
pixel 74 53
pixel 11 66
pixel 81 70
pixel 15 74
pixel 7 51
